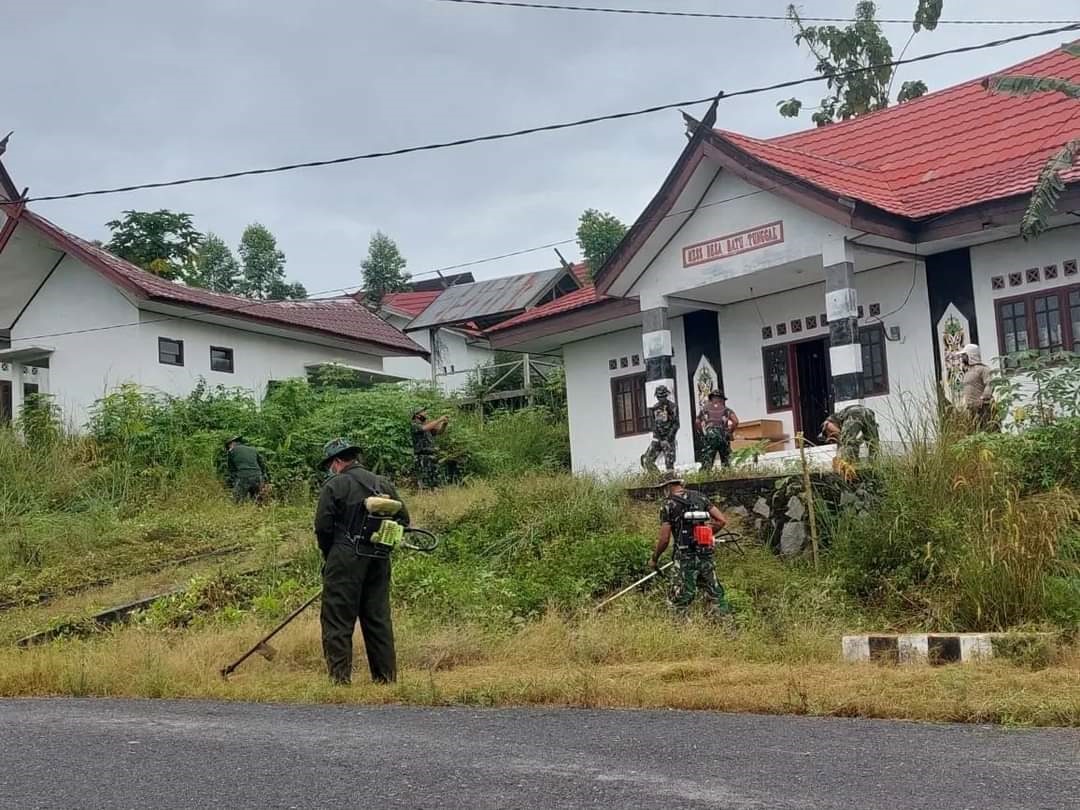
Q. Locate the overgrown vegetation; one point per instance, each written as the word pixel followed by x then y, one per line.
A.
pixel 966 532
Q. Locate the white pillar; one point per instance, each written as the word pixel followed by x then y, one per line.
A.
pixel 16 390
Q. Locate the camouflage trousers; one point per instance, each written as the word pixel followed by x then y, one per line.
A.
pixel 427 471
pixel 715 443
pixel 693 570
pixel 859 426
pixel 659 445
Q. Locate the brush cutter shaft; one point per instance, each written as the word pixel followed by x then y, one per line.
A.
pixel 227 671
pixel 629 588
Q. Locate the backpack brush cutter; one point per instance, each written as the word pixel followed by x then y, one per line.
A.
pixel 384 536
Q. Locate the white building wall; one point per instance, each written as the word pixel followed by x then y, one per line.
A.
pixel 89 361
pixel 67 315
pixel 593 446
pixel 732 206
pixel 910 361
pixel 457 353
pixel 999 259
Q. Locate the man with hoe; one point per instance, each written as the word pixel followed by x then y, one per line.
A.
pixel 695 550
pixel 247 470
pixel 423 439
pixel 665 420
pixel 717 423
pixel 356 572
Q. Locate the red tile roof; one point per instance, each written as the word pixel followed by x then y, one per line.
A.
pixel 948 150
pixel 410 303
pixel 586 296
pixel 333 317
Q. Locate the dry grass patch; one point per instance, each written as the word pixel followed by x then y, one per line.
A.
pixel 623 661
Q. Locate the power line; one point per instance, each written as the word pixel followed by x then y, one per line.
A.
pixel 356 288
pixel 720 16
pixel 559 126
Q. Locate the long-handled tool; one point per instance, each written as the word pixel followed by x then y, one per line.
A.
pixel 629 588
pixel 261 646
pixel 423 540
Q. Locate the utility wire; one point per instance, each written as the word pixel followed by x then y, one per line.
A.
pixel 719 16
pixel 559 126
pixel 348 290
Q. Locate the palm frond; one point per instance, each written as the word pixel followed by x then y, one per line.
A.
pixel 1048 190
pixel 1020 85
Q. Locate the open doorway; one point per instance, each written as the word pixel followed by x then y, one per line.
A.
pixel 813 386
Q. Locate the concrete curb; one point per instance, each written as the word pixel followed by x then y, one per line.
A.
pixel 930 648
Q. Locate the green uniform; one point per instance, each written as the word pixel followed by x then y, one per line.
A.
pixel 247 472
pixel 665 420
pixel 857 425
pixel 694 566
pixel 716 436
pixel 356 586
pixel 427 471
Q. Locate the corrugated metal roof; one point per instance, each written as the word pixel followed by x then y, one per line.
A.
pixel 481 300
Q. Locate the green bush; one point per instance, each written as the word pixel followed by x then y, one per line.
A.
pixel 150 439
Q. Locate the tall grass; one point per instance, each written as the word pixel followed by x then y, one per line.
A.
pixel 952 540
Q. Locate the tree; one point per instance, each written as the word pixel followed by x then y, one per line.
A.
pixel 263 267
pixel 384 268
pixel 215 266
pixel 856 47
pixel 161 242
pixel 598 234
pixel 1050 185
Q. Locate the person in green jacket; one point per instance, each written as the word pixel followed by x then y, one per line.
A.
pixel 356 573
pixel 247 470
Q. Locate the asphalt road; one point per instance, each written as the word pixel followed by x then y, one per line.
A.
pixel 163 754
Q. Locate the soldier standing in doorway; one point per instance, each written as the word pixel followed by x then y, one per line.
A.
pixel 665 420
pixel 247 470
pixel 423 438
pixel 717 423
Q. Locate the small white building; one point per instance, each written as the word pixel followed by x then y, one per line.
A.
pixel 822 268
pixel 457 352
pixel 80 322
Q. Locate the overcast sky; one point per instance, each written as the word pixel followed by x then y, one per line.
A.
pixel 128 91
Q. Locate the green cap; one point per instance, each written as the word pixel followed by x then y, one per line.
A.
pixel 670 478
pixel 335 448
pixel 419 409
pixel 234 439
pixel 716 393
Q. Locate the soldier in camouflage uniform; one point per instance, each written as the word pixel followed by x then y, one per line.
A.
pixel 247 470
pixel 717 424
pixel 423 439
pixel 695 565
pixel 665 427
pixel 851 428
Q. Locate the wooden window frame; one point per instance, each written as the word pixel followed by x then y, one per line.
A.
pixel 793 379
pixel 880 329
pixel 787 347
pixel 639 418
pixel 180 344
pixel 1062 293
pixel 232 359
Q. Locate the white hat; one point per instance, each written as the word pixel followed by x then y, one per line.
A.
pixel 974 354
